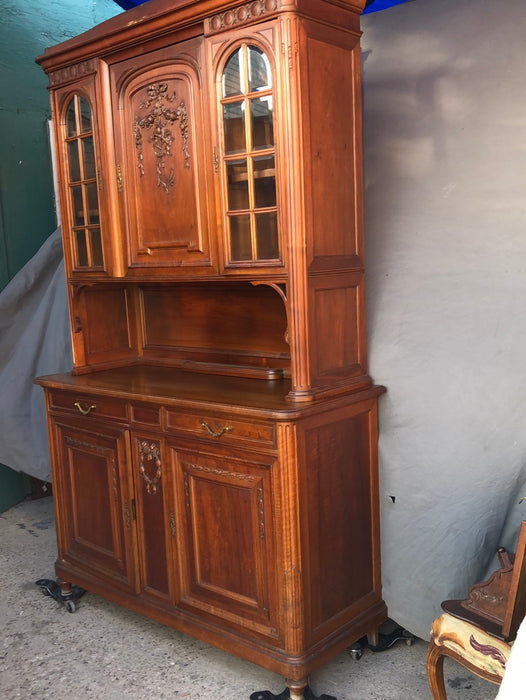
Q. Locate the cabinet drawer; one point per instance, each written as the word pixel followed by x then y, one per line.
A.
pixel 146 415
pixel 84 405
pixel 221 428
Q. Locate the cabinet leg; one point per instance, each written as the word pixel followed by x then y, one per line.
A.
pixel 296 690
pixel 373 637
pixel 65 587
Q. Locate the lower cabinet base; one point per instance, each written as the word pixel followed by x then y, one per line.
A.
pixel 294 669
pixel 253 528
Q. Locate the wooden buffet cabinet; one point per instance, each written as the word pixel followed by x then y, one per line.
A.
pixel 214 449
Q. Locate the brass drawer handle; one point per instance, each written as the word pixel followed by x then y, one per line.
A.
pixel 213 433
pixel 85 411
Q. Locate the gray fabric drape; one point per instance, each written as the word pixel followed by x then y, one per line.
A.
pixel 34 340
pixel 445 220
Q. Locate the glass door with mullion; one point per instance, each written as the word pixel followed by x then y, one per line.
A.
pixel 81 206
pixel 248 154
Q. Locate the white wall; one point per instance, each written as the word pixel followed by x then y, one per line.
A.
pixel 444 87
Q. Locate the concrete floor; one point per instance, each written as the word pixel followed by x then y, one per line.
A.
pixel 105 652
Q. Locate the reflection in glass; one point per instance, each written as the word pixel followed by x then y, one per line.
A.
pixel 74 161
pixel 92 203
pixel 267 236
pixel 240 244
pixel 77 206
pixel 264 182
pixel 96 248
pixel 71 122
pixel 88 152
pixel 249 157
pixel 234 127
pixel 82 250
pixel 232 83
pixel 82 175
pixel 262 123
pixel 258 70
pixel 85 116
pixel 237 177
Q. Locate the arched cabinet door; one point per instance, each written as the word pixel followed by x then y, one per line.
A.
pixel 161 163
pixel 81 186
pixel 246 91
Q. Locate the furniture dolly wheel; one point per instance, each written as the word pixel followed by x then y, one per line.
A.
pixel 51 588
pixel 356 651
pixel 385 641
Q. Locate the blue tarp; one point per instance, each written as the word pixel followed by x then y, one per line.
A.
pixel 371 6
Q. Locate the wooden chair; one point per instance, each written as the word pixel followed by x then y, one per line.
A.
pixel 477 632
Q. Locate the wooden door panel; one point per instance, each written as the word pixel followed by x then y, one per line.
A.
pixel 159 126
pixel 339 490
pixel 155 519
pixel 93 497
pixel 229 554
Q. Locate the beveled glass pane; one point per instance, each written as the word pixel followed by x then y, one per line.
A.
pixel 240 244
pixel 92 203
pixel 262 122
pixel 85 116
pixel 264 182
pixel 267 236
pixel 82 250
pixel 237 179
pixel 78 206
pixel 234 127
pixel 259 76
pixel 74 161
pixel 96 248
pixel 71 122
pixel 88 155
pixel 232 79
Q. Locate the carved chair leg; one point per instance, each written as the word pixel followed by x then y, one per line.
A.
pixel 435 671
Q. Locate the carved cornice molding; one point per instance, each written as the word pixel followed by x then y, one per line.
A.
pixel 238 16
pixel 78 70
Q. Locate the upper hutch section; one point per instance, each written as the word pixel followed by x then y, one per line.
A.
pixel 195 147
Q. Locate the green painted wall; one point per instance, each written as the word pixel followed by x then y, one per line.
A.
pixel 27 211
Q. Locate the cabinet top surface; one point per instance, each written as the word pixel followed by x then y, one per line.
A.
pixel 178 387
pixel 158 17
